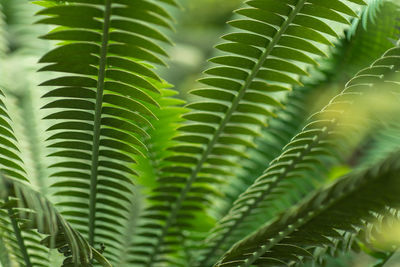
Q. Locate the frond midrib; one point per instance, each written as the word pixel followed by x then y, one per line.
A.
pixel 172 217
pixel 97 121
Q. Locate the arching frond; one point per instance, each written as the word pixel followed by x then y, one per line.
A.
pixel 272 44
pixel 23 103
pixel 348 57
pixel 281 129
pixel 343 206
pixel 133 178
pixel 101 106
pixel 326 133
pixel 37 213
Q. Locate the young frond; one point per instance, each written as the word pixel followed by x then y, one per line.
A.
pixel 158 142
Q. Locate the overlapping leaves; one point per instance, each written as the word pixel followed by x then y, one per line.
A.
pixel 272 44
pixel 329 132
pixel 348 57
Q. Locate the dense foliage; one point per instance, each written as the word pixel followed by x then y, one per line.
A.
pixel 284 153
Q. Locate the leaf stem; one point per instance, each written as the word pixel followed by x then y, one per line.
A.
pixel 97 121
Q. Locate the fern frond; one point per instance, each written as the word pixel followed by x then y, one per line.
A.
pixel 319 138
pixel 10 160
pixel 23 103
pixel 19 83
pixel 36 213
pixel 102 105
pixel 274 137
pixel 343 206
pixel 21 245
pixel 160 142
pixel 281 129
pixel 268 52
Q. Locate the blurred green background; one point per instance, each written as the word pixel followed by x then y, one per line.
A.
pixel 200 24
